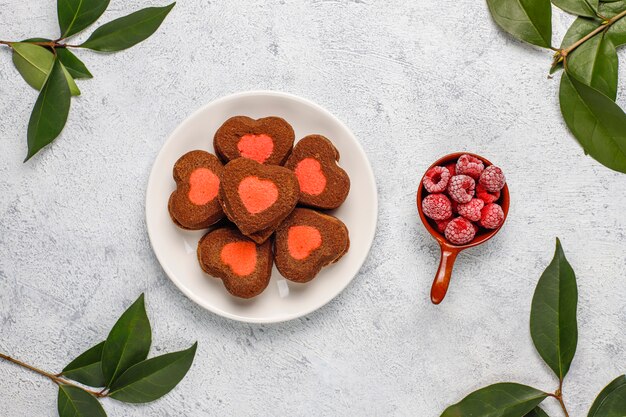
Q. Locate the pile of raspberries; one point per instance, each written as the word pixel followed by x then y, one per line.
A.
pixel 462 197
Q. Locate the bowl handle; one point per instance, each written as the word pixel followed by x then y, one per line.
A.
pixel 442 279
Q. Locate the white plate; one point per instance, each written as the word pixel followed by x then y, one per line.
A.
pixel 282 300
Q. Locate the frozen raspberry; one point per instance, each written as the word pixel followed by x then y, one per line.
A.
pixel 469 165
pixel 455 206
pixel 471 210
pixel 437 207
pixel 436 179
pixel 460 231
pixel 491 216
pixel 461 188
pixel 486 196
pixel 492 179
pixel 452 169
pixel 442 224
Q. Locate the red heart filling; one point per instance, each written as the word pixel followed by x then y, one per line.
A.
pixel 257 147
pixel 310 176
pixel 240 257
pixel 257 195
pixel 302 240
pixel 203 186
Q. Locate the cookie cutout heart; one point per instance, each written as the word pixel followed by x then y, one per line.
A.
pixel 323 184
pixel 310 176
pixel 203 186
pixel 268 140
pixel 306 242
pixel 257 195
pixel 193 205
pixel 302 240
pixel 256 147
pixel 240 257
pixel 243 266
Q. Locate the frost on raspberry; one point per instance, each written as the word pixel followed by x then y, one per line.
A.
pixel 492 179
pixel 460 231
pixel 437 207
pixel 452 169
pixel 436 179
pixel 469 165
pixel 471 210
pixel 486 196
pixel 491 216
pixel 461 188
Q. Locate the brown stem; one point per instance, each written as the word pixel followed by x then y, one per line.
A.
pixel 49 44
pixel 605 25
pixel 559 397
pixel 52 377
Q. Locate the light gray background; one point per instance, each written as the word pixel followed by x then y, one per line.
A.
pixel 414 80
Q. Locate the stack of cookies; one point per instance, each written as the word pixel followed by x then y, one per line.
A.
pixel 262 199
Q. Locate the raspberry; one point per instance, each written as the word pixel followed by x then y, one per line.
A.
pixel 436 179
pixel 437 207
pixel 460 231
pixel 469 165
pixel 471 210
pixel 492 179
pixel 486 196
pixel 461 188
pixel 442 224
pixel 452 169
pixel 491 216
pixel 455 206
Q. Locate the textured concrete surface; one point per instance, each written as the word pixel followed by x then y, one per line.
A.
pixel 414 80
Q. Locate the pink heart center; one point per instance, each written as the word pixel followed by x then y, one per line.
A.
pixel 257 147
pixel 310 176
pixel 240 257
pixel 203 186
pixel 257 195
pixel 302 240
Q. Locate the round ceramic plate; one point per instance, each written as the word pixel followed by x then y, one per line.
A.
pixel 282 300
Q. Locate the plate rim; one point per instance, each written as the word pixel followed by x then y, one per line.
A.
pixel 369 172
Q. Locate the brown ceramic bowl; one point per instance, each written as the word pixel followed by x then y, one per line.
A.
pixel 449 251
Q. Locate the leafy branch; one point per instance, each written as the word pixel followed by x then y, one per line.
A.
pixel 554 331
pixel 588 54
pixel 50 67
pixel 119 367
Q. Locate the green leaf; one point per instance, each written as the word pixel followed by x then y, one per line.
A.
pixel 611 402
pixel 617 31
pixel 87 368
pixel 50 112
pixel 527 20
pixel 499 400
pixel 75 402
pixel 74 66
pixel 76 15
pixel 128 342
pixel 127 31
pixel 578 7
pixel 580 28
pixel 595 63
pixel 34 63
pixel 553 325
pixel 153 378
pixel 596 121
pixel 537 412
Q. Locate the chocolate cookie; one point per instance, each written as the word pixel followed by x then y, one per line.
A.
pixel 267 141
pixel 194 204
pixel 243 266
pixel 306 242
pixel 256 197
pixel 323 184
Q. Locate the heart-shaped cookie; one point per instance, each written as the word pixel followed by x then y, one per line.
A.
pixel 323 184
pixel 306 242
pixel 194 204
pixel 256 197
pixel 243 266
pixel 268 140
